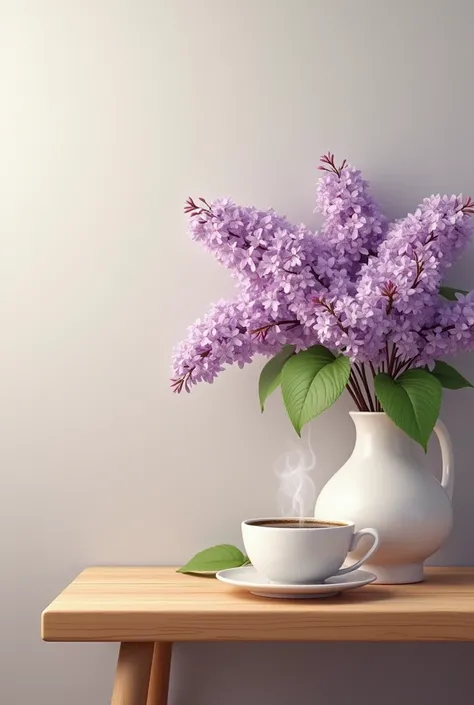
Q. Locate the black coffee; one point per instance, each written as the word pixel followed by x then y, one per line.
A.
pixel 296 524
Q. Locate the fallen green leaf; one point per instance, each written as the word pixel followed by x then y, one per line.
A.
pixel 216 558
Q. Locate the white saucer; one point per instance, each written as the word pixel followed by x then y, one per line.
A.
pixel 247 577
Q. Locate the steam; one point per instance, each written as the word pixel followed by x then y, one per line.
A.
pixel 296 491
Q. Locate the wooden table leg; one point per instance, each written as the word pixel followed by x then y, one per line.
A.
pixel 133 674
pixel 160 674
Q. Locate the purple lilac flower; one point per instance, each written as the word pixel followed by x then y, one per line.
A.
pixel 354 225
pixel 399 285
pixel 255 245
pixel 451 330
pixel 360 287
pixel 231 332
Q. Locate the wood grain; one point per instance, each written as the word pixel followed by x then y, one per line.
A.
pixel 132 675
pixel 160 674
pixel 158 604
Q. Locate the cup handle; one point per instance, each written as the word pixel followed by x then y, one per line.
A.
pixel 354 541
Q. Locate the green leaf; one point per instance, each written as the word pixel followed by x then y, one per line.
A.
pixel 449 377
pixel 270 375
pixel 449 292
pixel 412 401
pixel 211 560
pixel 311 381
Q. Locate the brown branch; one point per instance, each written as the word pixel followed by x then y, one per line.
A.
pixel 467 207
pixel 420 268
pixel 358 390
pixel 330 309
pixel 355 396
pixel 363 374
pixel 194 209
pixel 392 359
pixel 389 290
pixel 330 165
pixel 262 332
pixel 316 275
pixel 387 356
pixel 404 366
pixel 378 406
pixel 183 382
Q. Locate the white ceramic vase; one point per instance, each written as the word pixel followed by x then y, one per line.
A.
pixel 384 485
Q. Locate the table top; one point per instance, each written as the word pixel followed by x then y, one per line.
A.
pixel 158 604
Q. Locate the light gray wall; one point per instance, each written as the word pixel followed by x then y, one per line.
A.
pixel 113 112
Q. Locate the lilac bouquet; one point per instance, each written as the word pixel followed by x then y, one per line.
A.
pixel 359 306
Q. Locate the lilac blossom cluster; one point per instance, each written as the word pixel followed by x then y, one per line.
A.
pixel 353 225
pixel 451 329
pixel 361 286
pixel 231 332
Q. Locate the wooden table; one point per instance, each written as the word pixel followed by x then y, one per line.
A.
pixel 147 609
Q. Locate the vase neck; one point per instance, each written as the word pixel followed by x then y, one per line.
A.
pixel 375 432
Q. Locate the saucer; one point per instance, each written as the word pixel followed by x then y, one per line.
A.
pixel 247 577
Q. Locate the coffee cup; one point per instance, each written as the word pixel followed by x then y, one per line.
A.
pixel 302 551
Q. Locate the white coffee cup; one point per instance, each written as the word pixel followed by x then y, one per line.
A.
pixel 302 551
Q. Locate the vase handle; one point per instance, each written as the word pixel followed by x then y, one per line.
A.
pixel 447 456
